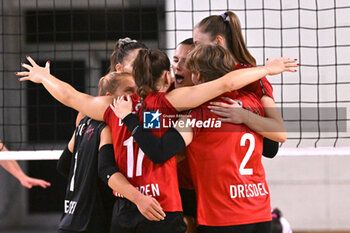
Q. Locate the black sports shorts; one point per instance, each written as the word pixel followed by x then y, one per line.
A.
pixel 127 219
pixel 261 227
pixel 64 231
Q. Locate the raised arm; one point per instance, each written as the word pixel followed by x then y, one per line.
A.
pixel 91 106
pixel 190 97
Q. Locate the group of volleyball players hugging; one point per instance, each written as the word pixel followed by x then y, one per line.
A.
pixel 222 111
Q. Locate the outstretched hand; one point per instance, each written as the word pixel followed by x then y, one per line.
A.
pixel 35 72
pixel 121 106
pixel 150 208
pixel 280 65
pixel 29 182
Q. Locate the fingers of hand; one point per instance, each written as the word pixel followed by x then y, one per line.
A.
pixel 218 108
pixel 155 212
pixel 47 65
pixel 24 73
pixel 220 111
pixel 159 210
pixel 220 104
pixel 228 100
pixel 23 79
pixel 112 107
pixel 28 67
pixel 31 61
pixel 45 184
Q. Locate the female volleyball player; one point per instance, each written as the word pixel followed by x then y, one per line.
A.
pixel 181 74
pixel 225 30
pixel 187 193
pixel 225 159
pixel 151 72
pixel 124 53
pixel 183 78
pixel 12 167
pixel 88 202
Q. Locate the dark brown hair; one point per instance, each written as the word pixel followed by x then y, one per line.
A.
pixel 110 82
pixel 210 61
pixel 148 67
pixel 228 26
pixel 122 49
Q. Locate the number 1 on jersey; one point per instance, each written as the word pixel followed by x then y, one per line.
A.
pixel 130 158
pixel 71 186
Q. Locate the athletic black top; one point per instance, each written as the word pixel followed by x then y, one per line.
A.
pixel 88 202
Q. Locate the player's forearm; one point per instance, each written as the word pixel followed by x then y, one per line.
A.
pixel 2 147
pixel 91 106
pixel 158 150
pixel 190 97
pixel 266 126
pixel 13 168
pixel 121 185
pixel 242 77
pixel 10 165
pixel 61 91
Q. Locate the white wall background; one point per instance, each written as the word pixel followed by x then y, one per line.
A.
pixel 315 32
pixel 312 191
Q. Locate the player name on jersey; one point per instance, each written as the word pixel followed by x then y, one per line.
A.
pixel 248 190
pixel 69 206
pixel 149 190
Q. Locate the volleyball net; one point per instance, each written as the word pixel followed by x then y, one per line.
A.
pixel 78 37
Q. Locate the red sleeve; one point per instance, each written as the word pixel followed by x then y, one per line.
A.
pixel 165 104
pixel 266 88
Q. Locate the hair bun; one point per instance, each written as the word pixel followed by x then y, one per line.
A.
pixel 124 41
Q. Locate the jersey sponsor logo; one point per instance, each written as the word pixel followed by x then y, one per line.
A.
pixel 151 119
pixel 90 131
pixel 85 129
pixel 69 206
pixel 149 190
pixel 248 190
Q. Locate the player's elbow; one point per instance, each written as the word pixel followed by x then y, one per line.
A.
pixel 283 137
pixel 156 158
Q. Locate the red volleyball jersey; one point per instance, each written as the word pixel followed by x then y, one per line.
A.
pixel 260 88
pixel 184 175
pixel 225 162
pixel 156 180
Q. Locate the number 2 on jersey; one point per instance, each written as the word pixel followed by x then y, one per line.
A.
pixel 130 158
pixel 251 139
